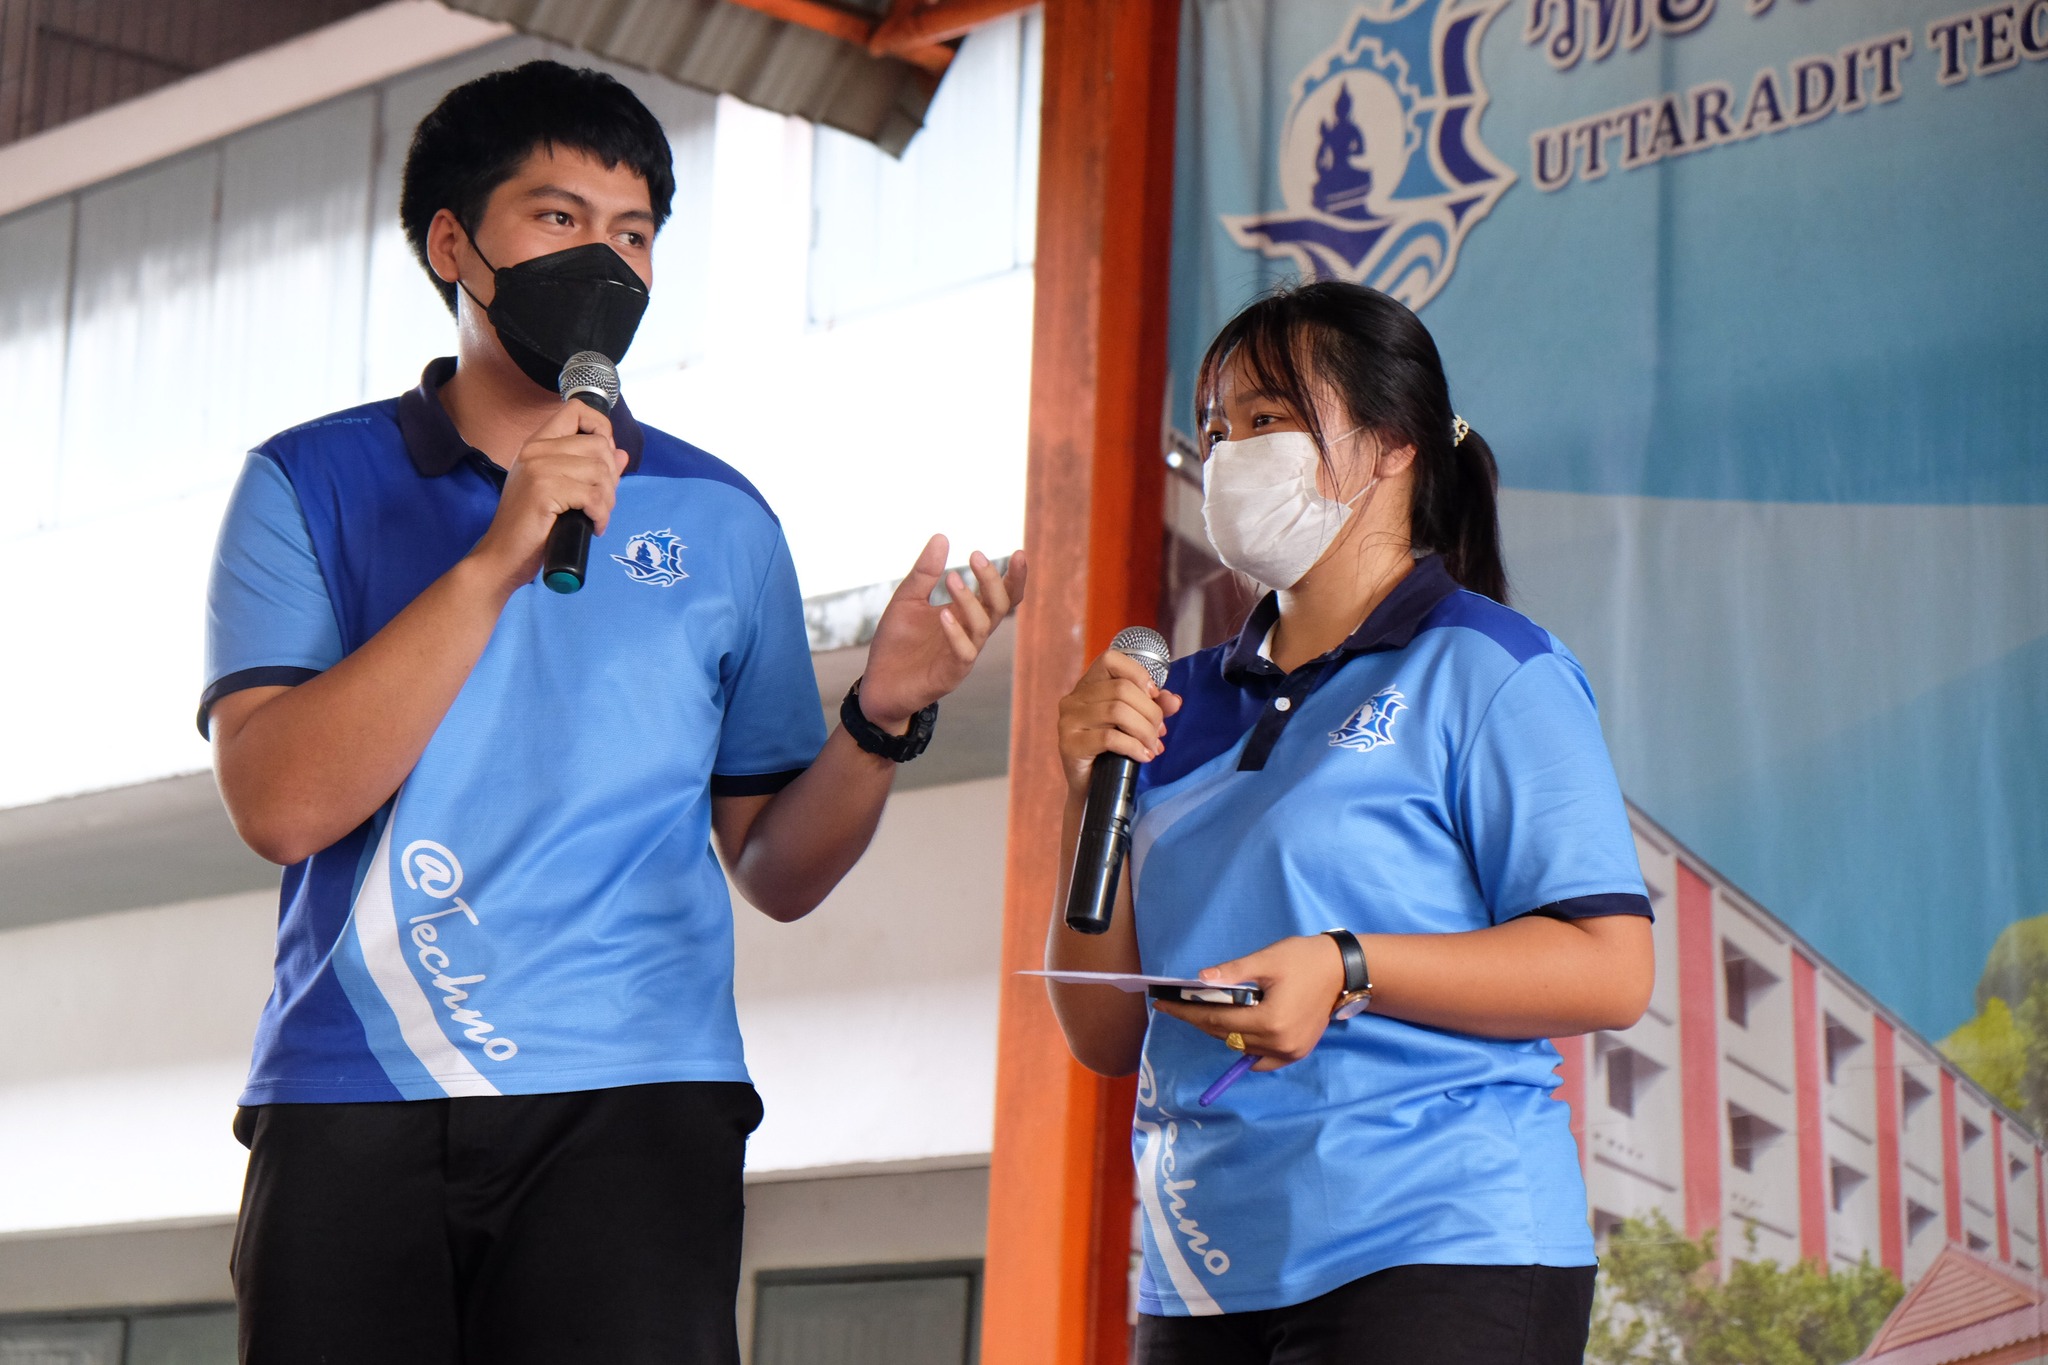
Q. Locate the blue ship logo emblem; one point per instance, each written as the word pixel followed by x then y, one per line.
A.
pixel 654 557
pixel 1380 162
pixel 1372 724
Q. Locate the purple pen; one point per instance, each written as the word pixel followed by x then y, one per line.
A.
pixel 1226 1080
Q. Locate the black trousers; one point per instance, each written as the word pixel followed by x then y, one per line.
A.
pixel 600 1225
pixel 1409 1315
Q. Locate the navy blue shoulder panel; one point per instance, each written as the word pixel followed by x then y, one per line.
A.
pixel 1522 638
pixel 666 457
pixel 293 440
pixel 1214 714
pixel 381 530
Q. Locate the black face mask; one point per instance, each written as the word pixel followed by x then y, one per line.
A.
pixel 584 298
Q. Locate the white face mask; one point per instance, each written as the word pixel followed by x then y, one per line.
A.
pixel 1263 511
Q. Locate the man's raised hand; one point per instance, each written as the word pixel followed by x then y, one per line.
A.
pixel 921 652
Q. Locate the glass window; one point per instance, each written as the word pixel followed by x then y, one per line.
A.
pixel 201 1338
pixel 35 280
pixel 142 296
pixel 1746 981
pixel 888 1315
pixel 1749 1136
pixel 60 1343
pixel 287 317
pixel 184 1336
pixel 952 210
pixel 1843 1183
pixel 1842 1042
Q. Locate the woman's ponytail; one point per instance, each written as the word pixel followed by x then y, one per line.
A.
pixel 1456 511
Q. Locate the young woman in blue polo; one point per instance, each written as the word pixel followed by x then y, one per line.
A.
pixel 1386 802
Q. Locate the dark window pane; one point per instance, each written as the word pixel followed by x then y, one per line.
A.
pixel 60 1343
pixel 864 1322
pixel 183 1339
pixel 1621 1081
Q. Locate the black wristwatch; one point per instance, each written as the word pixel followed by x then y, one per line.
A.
pixel 879 742
pixel 1357 994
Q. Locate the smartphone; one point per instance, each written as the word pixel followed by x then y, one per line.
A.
pixel 1208 995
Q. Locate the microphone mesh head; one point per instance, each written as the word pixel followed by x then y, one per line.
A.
pixel 590 372
pixel 1148 647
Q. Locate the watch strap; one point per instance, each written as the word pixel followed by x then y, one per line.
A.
pixel 873 739
pixel 1357 993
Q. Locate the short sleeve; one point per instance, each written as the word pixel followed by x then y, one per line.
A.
pixel 269 620
pixel 774 726
pixel 1538 803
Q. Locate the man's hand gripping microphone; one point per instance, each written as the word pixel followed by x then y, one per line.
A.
pixel 591 379
pixel 1106 819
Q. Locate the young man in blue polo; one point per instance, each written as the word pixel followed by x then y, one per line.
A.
pixel 498 1107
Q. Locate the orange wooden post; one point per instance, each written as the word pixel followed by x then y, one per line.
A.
pixel 1060 1182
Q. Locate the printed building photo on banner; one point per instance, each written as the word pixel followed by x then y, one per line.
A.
pixel 1748 298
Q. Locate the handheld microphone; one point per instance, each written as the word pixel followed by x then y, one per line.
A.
pixel 591 379
pixel 1106 819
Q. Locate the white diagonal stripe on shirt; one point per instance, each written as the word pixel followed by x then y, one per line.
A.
pixel 376 921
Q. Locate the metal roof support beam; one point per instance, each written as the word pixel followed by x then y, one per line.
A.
pixel 797 57
pixel 916 31
pixel 849 27
pixel 913 24
pixel 1060 1186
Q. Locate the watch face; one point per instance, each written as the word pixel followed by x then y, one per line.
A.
pixel 1352 1005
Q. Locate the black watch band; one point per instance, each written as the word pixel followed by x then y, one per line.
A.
pixel 1356 996
pixel 875 740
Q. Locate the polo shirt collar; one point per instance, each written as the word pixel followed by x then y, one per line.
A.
pixel 1391 625
pixel 436 447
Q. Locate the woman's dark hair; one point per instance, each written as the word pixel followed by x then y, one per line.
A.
pixel 481 133
pixel 1381 362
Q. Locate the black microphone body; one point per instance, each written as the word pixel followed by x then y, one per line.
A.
pixel 1106 818
pixel 589 378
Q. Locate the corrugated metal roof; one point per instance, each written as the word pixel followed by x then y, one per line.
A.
pixel 733 50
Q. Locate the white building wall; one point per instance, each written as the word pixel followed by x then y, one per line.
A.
pixel 1849 1134
pixel 1633 1095
pixel 1923 1220
pixel 1979 1175
pixel 1758 1080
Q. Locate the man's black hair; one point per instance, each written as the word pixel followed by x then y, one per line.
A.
pixel 481 133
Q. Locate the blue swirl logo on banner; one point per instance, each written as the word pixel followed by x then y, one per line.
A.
pixel 1381 164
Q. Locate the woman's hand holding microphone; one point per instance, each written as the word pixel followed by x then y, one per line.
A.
pixel 1116 708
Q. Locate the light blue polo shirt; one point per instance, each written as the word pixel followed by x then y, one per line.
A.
pixel 538 908
pixel 1440 771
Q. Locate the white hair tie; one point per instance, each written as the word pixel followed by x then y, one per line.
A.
pixel 1459 430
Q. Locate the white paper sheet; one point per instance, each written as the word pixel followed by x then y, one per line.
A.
pixel 1130 981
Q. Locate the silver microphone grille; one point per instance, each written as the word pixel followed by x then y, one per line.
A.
pixel 590 372
pixel 1148 647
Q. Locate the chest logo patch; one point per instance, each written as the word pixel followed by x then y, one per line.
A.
pixel 1372 724
pixel 654 557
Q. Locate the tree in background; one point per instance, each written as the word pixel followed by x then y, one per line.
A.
pixel 1661 1303
pixel 2005 1048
